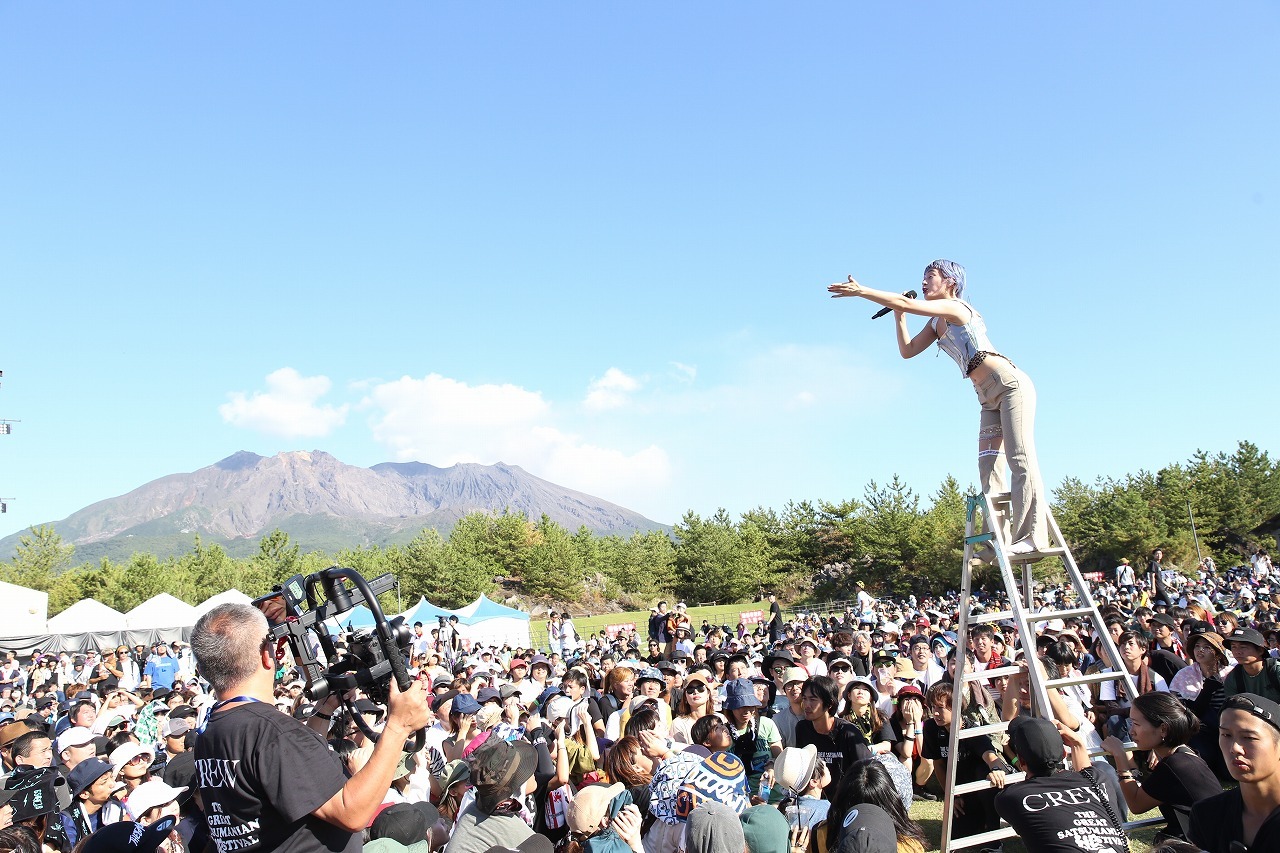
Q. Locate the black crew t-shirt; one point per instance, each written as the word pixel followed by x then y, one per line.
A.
pixel 261 773
pixel 1062 813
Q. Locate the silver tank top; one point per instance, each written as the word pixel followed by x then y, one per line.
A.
pixel 966 344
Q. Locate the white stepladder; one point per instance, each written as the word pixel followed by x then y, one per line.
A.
pixel 989 531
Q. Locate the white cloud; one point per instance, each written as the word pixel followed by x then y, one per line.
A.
pixel 685 372
pixel 287 408
pixel 443 421
pixel 610 391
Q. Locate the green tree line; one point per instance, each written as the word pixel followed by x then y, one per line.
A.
pixel 891 538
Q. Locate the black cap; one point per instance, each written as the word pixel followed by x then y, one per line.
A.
pixel 1037 742
pixel 1162 619
pixel 1247 635
pixel 129 837
pixel 1259 706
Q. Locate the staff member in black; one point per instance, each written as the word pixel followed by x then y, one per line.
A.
pixel 268 781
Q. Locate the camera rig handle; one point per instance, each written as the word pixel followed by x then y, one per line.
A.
pixel 296 610
pixel 340 600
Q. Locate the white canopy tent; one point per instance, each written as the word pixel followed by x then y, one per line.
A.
pixel 161 611
pixel 88 616
pixel 231 596
pixel 22 610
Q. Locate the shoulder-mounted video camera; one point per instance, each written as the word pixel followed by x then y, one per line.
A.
pixel 296 612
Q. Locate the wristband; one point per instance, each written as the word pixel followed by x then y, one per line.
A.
pixel 323 716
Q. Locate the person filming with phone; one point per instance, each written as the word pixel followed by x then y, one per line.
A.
pixel 268 781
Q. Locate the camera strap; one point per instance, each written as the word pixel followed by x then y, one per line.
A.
pixel 219 705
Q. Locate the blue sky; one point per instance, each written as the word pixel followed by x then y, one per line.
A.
pixel 593 240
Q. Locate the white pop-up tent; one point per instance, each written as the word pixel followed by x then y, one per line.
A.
pixel 490 623
pixel 22 610
pixel 161 611
pixel 231 596
pixel 88 616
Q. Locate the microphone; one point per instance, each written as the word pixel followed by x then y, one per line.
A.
pixel 910 294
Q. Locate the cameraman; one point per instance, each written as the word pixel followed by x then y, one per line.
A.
pixel 267 780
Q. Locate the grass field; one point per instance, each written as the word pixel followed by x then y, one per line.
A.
pixel 929 816
pixel 589 626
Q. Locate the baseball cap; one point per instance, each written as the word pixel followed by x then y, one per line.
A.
pixel 438 701
pixel 129 837
pixel 488 694
pixel 175 728
pixel 499 769
pixel 148 795
pixel 867 829
pixel 74 736
pixel 406 824
pixel 465 703
pixel 1163 619
pixel 1259 706
pixel 1037 742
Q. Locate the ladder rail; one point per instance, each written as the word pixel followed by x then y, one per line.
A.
pixel 1019 589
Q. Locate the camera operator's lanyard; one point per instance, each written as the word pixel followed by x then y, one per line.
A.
pixel 219 705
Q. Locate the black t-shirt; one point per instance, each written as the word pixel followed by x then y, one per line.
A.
pixel 1180 781
pixel 1062 813
pixel 969 766
pixel 839 749
pixel 1218 822
pixel 261 773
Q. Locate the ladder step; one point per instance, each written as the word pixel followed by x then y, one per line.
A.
pixel 1036 556
pixel 983 784
pixel 988 674
pixel 1000 498
pixel 981 537
pixel 1062 614
pixel 1093 678
pixel 982 839
pixel 978 618
pixel 989 729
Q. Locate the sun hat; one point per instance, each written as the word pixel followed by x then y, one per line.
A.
pixel 590 806
pixel 863 681
pixel 794 767
pixel 85 774
pixel 123 754
pixel 740 693
pixel 499 769
pixel 150 794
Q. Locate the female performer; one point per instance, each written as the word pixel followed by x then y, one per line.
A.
pixel 1005 393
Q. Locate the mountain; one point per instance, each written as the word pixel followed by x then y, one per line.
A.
pixel 322 503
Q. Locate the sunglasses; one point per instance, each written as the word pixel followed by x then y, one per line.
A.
pixel 696 687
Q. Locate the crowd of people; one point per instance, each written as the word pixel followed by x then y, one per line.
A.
pixel 801 734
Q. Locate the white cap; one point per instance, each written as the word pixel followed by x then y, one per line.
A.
pixel 148 795
pixel 74 736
